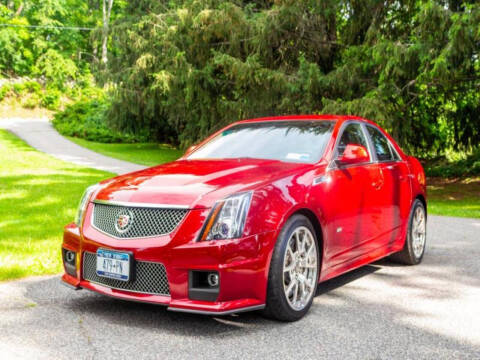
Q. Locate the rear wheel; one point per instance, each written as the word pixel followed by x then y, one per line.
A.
pixel 414 248
pixel 294 268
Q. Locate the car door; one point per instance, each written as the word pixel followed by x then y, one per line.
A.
pixel 393 203
pixel 349 190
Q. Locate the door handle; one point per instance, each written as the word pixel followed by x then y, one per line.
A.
pixel 377 184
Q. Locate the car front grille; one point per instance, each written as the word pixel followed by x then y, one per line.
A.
pixel 147 277
pixel 144 221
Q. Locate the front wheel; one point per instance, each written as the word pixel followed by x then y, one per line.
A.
pixel 414 248
pixel 293 276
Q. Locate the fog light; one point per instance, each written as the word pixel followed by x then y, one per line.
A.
pixel 70 262
pixel 70 257
pixel 212 279
pixel 203 285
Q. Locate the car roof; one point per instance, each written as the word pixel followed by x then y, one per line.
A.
pixel 335 118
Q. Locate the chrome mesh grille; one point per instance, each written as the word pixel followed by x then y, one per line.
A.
pixel 145 222
pixel 147 277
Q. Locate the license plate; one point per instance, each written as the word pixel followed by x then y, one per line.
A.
pixel 113 264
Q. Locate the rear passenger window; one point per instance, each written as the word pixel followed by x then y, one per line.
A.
pixel 396 157
pixel 380 145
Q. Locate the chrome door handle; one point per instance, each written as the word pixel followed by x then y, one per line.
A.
pixel 377 185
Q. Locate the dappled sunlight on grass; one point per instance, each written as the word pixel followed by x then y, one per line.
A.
pixel 454 197
pixel 38 196
pixel 148 154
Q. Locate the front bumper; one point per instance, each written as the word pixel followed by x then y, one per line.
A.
pixel 242 266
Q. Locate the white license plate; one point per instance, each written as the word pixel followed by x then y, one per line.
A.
pixel 113 264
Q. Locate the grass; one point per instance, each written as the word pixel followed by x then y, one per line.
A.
pixel 38 196
pixel 149 154
pixel 454 197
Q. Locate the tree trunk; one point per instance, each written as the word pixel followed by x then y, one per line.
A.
pixel 107 9
pixel 19 10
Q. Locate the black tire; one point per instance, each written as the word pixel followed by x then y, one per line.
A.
pixel 277 306
pixel 407 256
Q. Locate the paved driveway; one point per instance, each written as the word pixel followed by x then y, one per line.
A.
pixel 40 134
pixel 381 311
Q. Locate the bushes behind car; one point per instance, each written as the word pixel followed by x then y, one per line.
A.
pixel 87 120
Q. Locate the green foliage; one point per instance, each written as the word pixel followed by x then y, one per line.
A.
pixel 15 53
pixel 25 87
pixel 39 45
pixel 86 119
pixel 5 90
pixel 55 69
pixel 30 95
pixel 185 68
pixel 467 165
pixel 22 47
pixel 51 99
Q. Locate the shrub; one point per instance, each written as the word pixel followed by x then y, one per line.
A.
pixel 86 119
pixel 27 87
pixel 51 99
pixel 4 90
pixel 32 86
pixel 31 101
pixel 18 88
pixel 455 166
pixel 56 69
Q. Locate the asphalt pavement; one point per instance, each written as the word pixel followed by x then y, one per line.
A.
pixel 380 311
pixel 40 134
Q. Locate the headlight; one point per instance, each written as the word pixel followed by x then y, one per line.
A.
pixel 227 219
pixel 82 207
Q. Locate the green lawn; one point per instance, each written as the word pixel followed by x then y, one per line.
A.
pixel 38 196
pixel 453 197
pixel 149 154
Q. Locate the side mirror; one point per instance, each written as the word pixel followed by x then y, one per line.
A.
pixel 353 154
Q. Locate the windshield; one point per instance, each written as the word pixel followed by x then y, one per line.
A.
pixel 294 141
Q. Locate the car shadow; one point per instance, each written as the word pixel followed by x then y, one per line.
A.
pixel 330 285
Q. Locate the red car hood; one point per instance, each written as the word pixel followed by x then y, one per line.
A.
pixel 194 183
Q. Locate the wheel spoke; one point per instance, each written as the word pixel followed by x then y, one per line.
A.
pixel 303 292
pixel 297 237
pixel 309 284
pixel 290 251
pixel 289 267
pixel 289 254
pixel 290 287
pixel 295 297
pixel 310 249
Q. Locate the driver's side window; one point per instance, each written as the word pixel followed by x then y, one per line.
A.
pixel 352 134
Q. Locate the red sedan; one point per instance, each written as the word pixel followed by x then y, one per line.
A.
pixel 252 218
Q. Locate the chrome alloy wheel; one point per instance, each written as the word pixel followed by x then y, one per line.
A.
pixel 418 231
pixel 300 268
